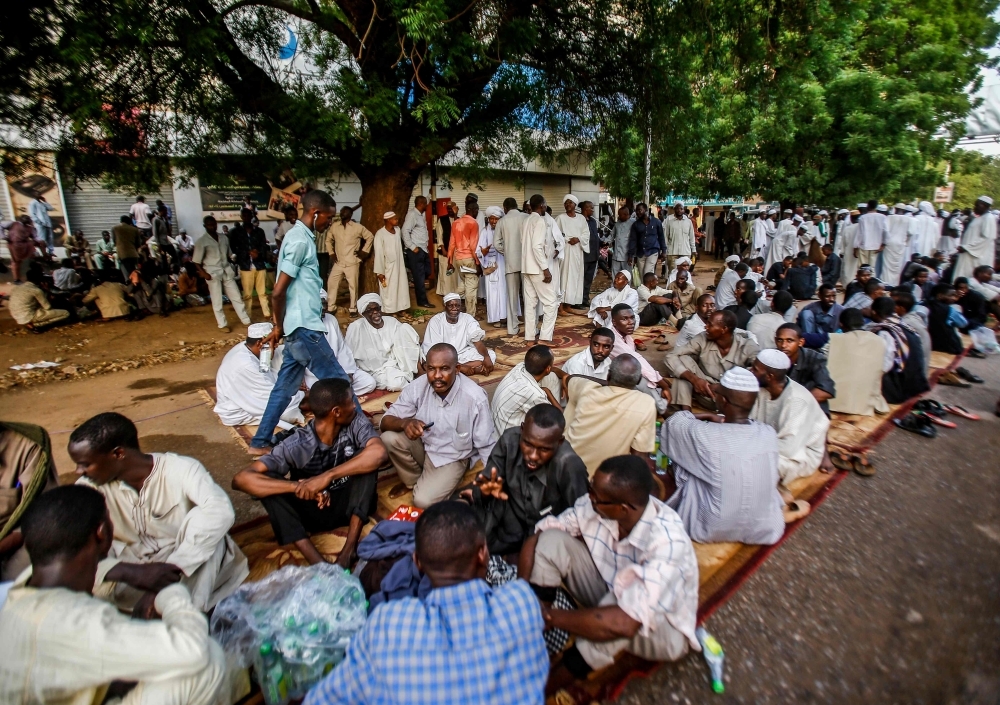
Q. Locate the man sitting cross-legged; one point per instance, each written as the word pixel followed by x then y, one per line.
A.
pixel 533 471
pixel 383 347
pixel 855 363
pixel 462 332
pixel 242 390
pixel 618 293
pixel 321 477
pixel 653 384
pixel 727 471
pixel 465 642
pixel 808 365
pixel 764 325
pixel 439 424
pixel 596 359
pixel 697 322
pixel 61 645
pixel 654 302
pixel 821 316
pixel 170 519
pixel 634 573
pixel 792 411
pixel 701 362
pixel 521 389
pixel 685 295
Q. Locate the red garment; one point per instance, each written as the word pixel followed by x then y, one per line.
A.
pixel 21 241
pixel 464 239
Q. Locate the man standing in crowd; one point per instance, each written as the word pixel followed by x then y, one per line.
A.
pixel 539 287
pixel 415 240
pixel 38 210
pixel 646 242
pixel 462 255
pixel 977 245
pixel 679 236
pixel 142 217
pixel 592 254
pixel 212 256
pixel 345 240
pixel 249 245
pixel 507 241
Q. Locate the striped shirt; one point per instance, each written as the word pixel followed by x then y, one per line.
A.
pixel 652 571
pixel 516 394
pixel 727 479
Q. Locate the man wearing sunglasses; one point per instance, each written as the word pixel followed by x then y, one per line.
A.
pixel 625 558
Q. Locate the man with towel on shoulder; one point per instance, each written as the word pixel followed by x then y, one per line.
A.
pixel 462 332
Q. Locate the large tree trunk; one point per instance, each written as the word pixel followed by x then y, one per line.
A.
pixel 382 189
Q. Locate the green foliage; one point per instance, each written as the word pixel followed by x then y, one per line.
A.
pixel 974 175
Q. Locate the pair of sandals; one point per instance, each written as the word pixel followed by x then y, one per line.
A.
pixel 937 412
pixel 852 462
pixel 916 422
pixel 794 509
pixel 961 377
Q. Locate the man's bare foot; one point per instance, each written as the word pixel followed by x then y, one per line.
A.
pixel 826 465
pixel 257 452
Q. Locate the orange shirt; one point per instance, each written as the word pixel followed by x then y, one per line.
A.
pixel 464 239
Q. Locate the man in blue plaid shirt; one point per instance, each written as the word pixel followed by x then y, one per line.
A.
pixel 464 643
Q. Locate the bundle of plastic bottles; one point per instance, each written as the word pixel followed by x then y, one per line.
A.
pixel 292 627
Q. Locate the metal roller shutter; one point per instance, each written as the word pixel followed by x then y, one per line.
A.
pixel 92 208
pixel 554 187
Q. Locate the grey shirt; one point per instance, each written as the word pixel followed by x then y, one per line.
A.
pixel 463 425
pixel 303 455
pixel 507 240
pixel 727 479
pixel 414 231
pixel 619 242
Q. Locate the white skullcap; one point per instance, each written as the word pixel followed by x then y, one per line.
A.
pixel 900 206
pixel 452 297
pixel 986 199
pixel 862 205
pixel 681 260
pixel 732 258
pixel 882 208
pixel 910 209
pixel 571 197
pixel 822 213
pixel 183 231
pixel 740 379
pixel 772 211
pixel 787 210
pixel 368 299
pixel 494 212
pixel 775 359
pixel 843 211
pixel 797 219
pixel 388 214
pixel 259 330
pixel 677 203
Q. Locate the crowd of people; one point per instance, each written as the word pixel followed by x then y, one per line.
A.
pixel 570 528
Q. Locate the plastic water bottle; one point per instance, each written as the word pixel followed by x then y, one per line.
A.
pixel 273 682
pixel 265 357
pixel 714 656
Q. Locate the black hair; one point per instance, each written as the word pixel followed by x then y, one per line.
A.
pixel 904 299
pixel 535 201
pixel 873 285
pixel 319 199
pixel 741 268
pixel 825 287
pixel 602 332
pixel 872 205
pixel 625 371
pixel 629 477
pixel 782 301
pixel 510 203
pixel 617 308
pixel 939 289
pixel 851 319
pixel 537 359
pixel 729 319
pixel 328 393
pixel 443 347
pixel 448 532
pixel 749 298
pixel 127 219
pixel 60 522
pixel 107 431
pixel 884 306
pixel 960 281
pixel 791 327
pixel 546 416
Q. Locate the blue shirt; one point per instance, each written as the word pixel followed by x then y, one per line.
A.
pixel 297 258
pixel 465 643
pixel 645 239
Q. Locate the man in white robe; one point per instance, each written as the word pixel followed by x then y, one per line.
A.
pixel 242 390
pixel 576 233
pixel 759 231
pixel 924 232
pixel 783 237
pixel 978 240
pixel 538 279
pixel 494 270
pixel 390 267
pixel 792 411
pixel 171 520
pixel 462 332
pixel 507 241
pixel 555 248
pixel 382 346
pixel 873 231
pixel 846 247
pixel 618 293
pixel 897 242
pixel 361 381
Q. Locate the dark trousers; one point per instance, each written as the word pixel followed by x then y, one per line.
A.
pixel 128 264
pixel 420 266
pixel 589 270
pixel 293 519
pixel 324 267
pixel 652 314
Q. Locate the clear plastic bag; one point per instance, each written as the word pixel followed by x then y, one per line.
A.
pixel 293 626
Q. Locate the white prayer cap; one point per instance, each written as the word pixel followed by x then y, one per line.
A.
pixel 740 379
pixel 259 330
pixel 900 206
pixel 797 219
pixel 571 197
pixel 772 211
pixel 732 258
pixel 775 359
pixel 681 260
pixel 986 199
pixel 927 207
pixel 822 213
pixel 862 205
pixel 388 214
pixel 452 297
pixel 183 231
pixel 787 210
pixel 494 212
pixel 910 209
pixel 678 203
pixel 843 211
pixel 882 208
pixel 323 296
pixel 367 299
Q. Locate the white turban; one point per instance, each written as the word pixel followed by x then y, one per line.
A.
pixel 882 208
pixel 797 219
pixel 732 258
pixel 843 211
pixel 452 297
pixel 772 211
pixel 368 299
pixel 862 205
pixel 927 208
pixel 259 330
pixel 900 206
pixel 822 213
pixel 787 210
pixel 494 212
pixel 571 197
pixel 388 214
pixel 775 359
pixel 909 209
pixel 681 260
pixel 740 379
pixel 986 199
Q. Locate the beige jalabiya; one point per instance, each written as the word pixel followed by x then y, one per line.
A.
pixel 855 366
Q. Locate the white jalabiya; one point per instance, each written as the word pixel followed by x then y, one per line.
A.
pixel 759 229
pixel 948 244
pixel 361 381
pixel 389 262
pixel 181 516
pixel 925 231
pixel 845 246
pixel 389 354
pixel 460 335
pixel 242 390
pixel 610 298
pixel 801 426
pixel 555 248
pixel 784 243
pixel 495 281
pixel 894 254
pixel 978 243
pixel 583 364
pixel 572 266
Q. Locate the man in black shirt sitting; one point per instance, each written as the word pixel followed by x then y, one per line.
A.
pixel 321 477
pixel 801 278
pixel 808 365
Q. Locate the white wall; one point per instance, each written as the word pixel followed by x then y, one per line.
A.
pixel 187 207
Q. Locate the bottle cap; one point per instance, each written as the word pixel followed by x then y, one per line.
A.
pixel 718 687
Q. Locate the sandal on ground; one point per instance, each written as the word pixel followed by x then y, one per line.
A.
pixel 930 406
pixel 862 466
pixel 961 411
pixel 951 379
pixel 973 353
pixel 663 347
pixel 639 345
pixel 796 510
pixel 968 376
pixel 936 420
pixel 842 460
pixel 920 425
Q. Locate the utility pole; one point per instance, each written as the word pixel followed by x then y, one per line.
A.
pixel 649 149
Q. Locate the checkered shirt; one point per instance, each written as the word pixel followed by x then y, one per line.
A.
pixel 466 643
